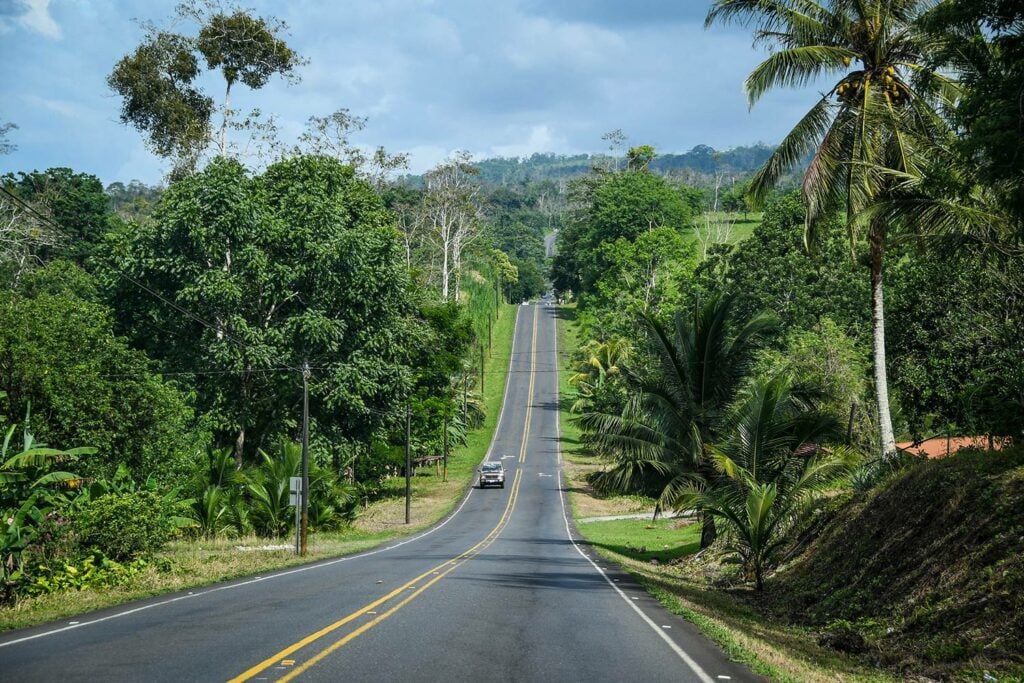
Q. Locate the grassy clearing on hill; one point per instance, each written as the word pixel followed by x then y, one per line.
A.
pixel 740 226
pixel 190 564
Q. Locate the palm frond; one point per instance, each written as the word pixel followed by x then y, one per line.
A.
pixel 805 136
pixel 794 68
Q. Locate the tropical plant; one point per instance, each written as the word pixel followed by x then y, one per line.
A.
pixel 769 464
pixel 679 407
pixel 27 492
pixel 125 525
pixel 212 510
pixel 879 116
pixel 267 488
pixel 598 366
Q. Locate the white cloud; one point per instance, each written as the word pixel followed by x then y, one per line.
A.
pixel 71 110
pixel 37 18
pixel 539 42
pixel 540 139
pixel 422 158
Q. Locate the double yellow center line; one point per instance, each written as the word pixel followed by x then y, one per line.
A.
pixel 431 576
pixel 529 394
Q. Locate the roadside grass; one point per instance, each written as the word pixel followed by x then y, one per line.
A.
pixel 771 648
pixel 577 464
pixel 654 554
pixel 184 565
pixel 642 540
pixel 433 498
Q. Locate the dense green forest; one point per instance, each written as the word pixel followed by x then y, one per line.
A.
pixel 697 166
pixel 761 328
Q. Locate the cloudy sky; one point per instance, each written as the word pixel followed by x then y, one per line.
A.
pixel 495 77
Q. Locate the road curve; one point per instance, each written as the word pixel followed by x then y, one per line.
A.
pixel 499 591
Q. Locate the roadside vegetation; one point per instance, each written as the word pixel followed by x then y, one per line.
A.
pixel 154 341
pixel 761 385
pixel 745 337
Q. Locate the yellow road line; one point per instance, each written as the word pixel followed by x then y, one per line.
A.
pixel 450 564
pixel 313 661
pixel 529 394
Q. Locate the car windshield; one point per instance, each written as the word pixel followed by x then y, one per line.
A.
pixel 492 467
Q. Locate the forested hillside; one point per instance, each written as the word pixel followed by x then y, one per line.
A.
pixel 698 166
pixel 756 339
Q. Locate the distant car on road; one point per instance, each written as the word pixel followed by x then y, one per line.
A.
pixel 492 474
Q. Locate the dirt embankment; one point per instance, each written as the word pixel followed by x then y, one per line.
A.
pixel 925 574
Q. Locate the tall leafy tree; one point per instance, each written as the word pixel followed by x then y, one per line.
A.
pixel 73 203
pixel 983 40
pixel 298 264
pixel 245 49
pixel 161 99
pixel 60 359
pixel 772 270
pixel 864 131
pixel 610 206
pixel 159 82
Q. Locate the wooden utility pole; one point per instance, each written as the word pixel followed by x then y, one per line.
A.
pixel 408 461
pixel 445 451
pixel 305 457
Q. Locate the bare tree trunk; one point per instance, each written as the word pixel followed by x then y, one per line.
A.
pixel 444 272
pixel 224 121
pixel 708 531
pixel 877 239
pixel 239 447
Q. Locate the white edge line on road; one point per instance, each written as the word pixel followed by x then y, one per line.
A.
pixel 694 666
pixel 319 565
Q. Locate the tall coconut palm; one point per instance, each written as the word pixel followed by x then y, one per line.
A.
pixel 679 406
pixel 882 109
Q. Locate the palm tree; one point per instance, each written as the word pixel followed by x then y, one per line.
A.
pixel 879 114
pixel 679 407
pixel 601 361
pixel 768 465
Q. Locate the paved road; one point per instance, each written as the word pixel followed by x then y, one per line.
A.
pixel 497 592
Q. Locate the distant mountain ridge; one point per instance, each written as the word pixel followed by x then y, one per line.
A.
pixel 702 161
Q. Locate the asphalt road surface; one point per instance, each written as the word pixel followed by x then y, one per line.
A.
pixel 499 591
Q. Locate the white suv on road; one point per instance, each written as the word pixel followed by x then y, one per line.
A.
pixel 492 474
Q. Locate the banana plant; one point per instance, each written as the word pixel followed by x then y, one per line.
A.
pixel 27 493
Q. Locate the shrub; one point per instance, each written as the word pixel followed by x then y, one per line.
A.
pixel 125 525
pixel 95 571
